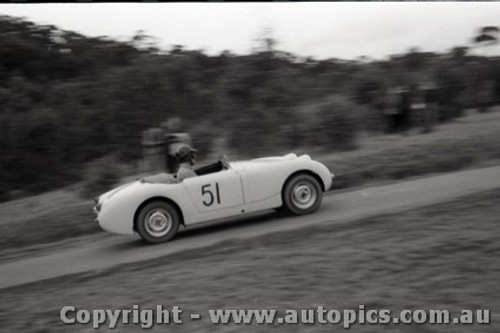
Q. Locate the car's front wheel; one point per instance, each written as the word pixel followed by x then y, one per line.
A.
pixel 158 222
pixel 302 194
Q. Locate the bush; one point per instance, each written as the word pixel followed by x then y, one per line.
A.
pixel 101 176
pixel 332 125
pixel 253 134
pixel 4 191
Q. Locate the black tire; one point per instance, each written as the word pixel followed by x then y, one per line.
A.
pixel 158 222
pixel 302 194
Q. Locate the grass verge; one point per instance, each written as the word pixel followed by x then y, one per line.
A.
pixel 468 142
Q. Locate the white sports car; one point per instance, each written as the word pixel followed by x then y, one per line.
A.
pixel 156 206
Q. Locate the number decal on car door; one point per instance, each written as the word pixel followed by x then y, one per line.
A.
pixel 208 195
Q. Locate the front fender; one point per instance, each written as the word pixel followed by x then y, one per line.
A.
pixel 265 178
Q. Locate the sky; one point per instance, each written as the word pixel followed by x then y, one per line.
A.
pixel 345 30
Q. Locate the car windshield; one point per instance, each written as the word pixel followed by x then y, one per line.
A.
pixel 166 178
pixel 161 178
pixel 212 168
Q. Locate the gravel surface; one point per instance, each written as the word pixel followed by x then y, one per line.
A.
pixel 444 256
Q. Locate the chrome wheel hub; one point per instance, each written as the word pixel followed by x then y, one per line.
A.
pixel 304 195
pixel 158 222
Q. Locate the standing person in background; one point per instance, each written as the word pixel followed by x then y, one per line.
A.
pixel 431 110
pixel 391 110
pixel 419 106
pixel 153 150
pixel 405 111
pixel 173 139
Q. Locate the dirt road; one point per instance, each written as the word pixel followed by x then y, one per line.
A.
pixel 337 208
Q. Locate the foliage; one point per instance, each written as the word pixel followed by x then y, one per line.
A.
pixel 67 99
pixel 101 176
pixel 332 125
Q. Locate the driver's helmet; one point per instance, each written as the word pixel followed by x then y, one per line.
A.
pixel 185 153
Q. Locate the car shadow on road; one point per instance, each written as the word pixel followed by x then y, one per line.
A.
pixel 228 224
pixel 202 229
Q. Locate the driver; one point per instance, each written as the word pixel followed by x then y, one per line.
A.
pixel 187 158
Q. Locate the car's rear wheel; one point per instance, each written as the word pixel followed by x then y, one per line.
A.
pixel 158 222
pixel 302 194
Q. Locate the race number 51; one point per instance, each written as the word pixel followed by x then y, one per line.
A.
pixel 209 195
